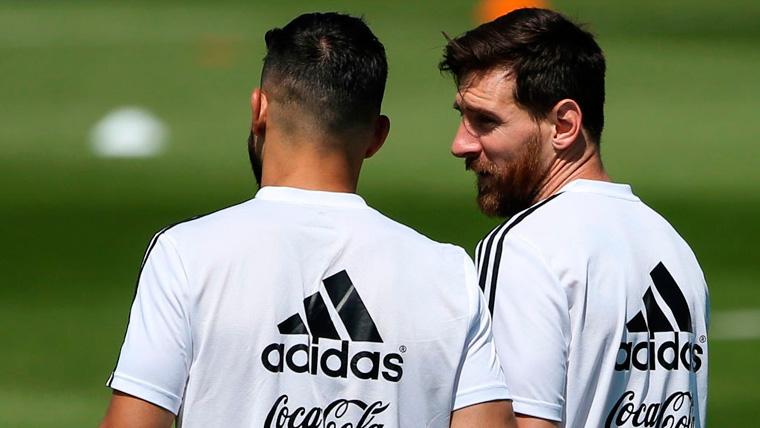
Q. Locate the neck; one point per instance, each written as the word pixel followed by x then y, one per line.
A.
pixel 582 161
pixel 305 166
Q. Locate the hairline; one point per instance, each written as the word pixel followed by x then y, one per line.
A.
pixel 509 73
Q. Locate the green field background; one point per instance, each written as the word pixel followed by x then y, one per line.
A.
pixel 682 128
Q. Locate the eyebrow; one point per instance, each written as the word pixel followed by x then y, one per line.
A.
pixel 477 110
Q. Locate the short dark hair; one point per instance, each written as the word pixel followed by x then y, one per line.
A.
pixel 550 57
pixel 329 63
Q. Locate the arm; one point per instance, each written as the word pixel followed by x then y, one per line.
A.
pixel 481 396
pixel 131 412
pixel 532 333
pixel 494 414
pixel 154 362
pixel 524 421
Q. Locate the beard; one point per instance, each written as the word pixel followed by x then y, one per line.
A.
pixel 510 187
pixel 255 158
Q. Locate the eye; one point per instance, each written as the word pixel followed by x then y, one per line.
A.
pixel 482 123
pixel 486 120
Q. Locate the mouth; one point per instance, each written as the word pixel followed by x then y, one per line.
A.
pixel 481 175
pixel 484 182
pixel 468 166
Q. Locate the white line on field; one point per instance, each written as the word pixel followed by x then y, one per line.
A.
pixel 740 324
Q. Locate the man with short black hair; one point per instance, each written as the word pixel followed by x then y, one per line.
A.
pixel 599 307
pixel 304 307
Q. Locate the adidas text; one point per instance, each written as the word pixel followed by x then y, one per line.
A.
pixel 650 355
pixel 302 358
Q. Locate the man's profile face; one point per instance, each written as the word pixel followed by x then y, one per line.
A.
pixel 500 142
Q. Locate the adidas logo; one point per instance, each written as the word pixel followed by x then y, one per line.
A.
pixel 670 354
pixel 333 362
pixel 350 308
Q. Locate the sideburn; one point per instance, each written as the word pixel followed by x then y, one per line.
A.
pixel 255 159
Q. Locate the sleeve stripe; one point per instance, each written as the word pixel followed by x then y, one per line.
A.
pixel 500 247
pixel 487 256
pixel 151 245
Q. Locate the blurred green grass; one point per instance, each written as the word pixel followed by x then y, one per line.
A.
pixel 682 93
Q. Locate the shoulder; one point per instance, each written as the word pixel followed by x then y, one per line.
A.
pixel 554 213
pixel 527 245
pixel 204 230
pixel 409 238
pixel 538 217
pixel 441 269
pixel 211 222
pixel 572 218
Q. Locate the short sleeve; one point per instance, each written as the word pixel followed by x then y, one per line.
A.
pixel 532 330
pixel 155 358
pixel 481 378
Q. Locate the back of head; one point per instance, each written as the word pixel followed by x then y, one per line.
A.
pixel 550 57
pixel 328 65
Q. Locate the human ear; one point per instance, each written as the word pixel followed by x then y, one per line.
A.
pixel 380 133
pixel 567 120
pixel 259 109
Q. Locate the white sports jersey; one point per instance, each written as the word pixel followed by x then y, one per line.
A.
pixel 600 311
pixel 302 309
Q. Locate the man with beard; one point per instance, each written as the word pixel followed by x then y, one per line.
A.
pixel 599 307
pixel 303 307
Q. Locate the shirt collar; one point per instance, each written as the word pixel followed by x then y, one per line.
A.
pixel 312 197
pixel 617 190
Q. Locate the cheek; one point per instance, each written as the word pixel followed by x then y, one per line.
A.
pixel 511 143
pixel 500 146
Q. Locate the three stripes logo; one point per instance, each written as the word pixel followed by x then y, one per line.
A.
pixel 333 361
pixel 672 354
pixel 348 304
pixel 656 321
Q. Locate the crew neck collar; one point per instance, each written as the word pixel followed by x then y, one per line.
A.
pixel 617 190
pixel 313 197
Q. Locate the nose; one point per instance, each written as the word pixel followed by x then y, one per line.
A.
pixel 465 145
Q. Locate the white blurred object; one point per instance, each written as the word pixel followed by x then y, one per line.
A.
pixel 128 132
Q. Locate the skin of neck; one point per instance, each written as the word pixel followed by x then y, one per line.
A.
pixel 302 162
pixel 296 151
pixel 581 160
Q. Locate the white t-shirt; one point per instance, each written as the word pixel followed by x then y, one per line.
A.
pixel 302 308
pixel 600 311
